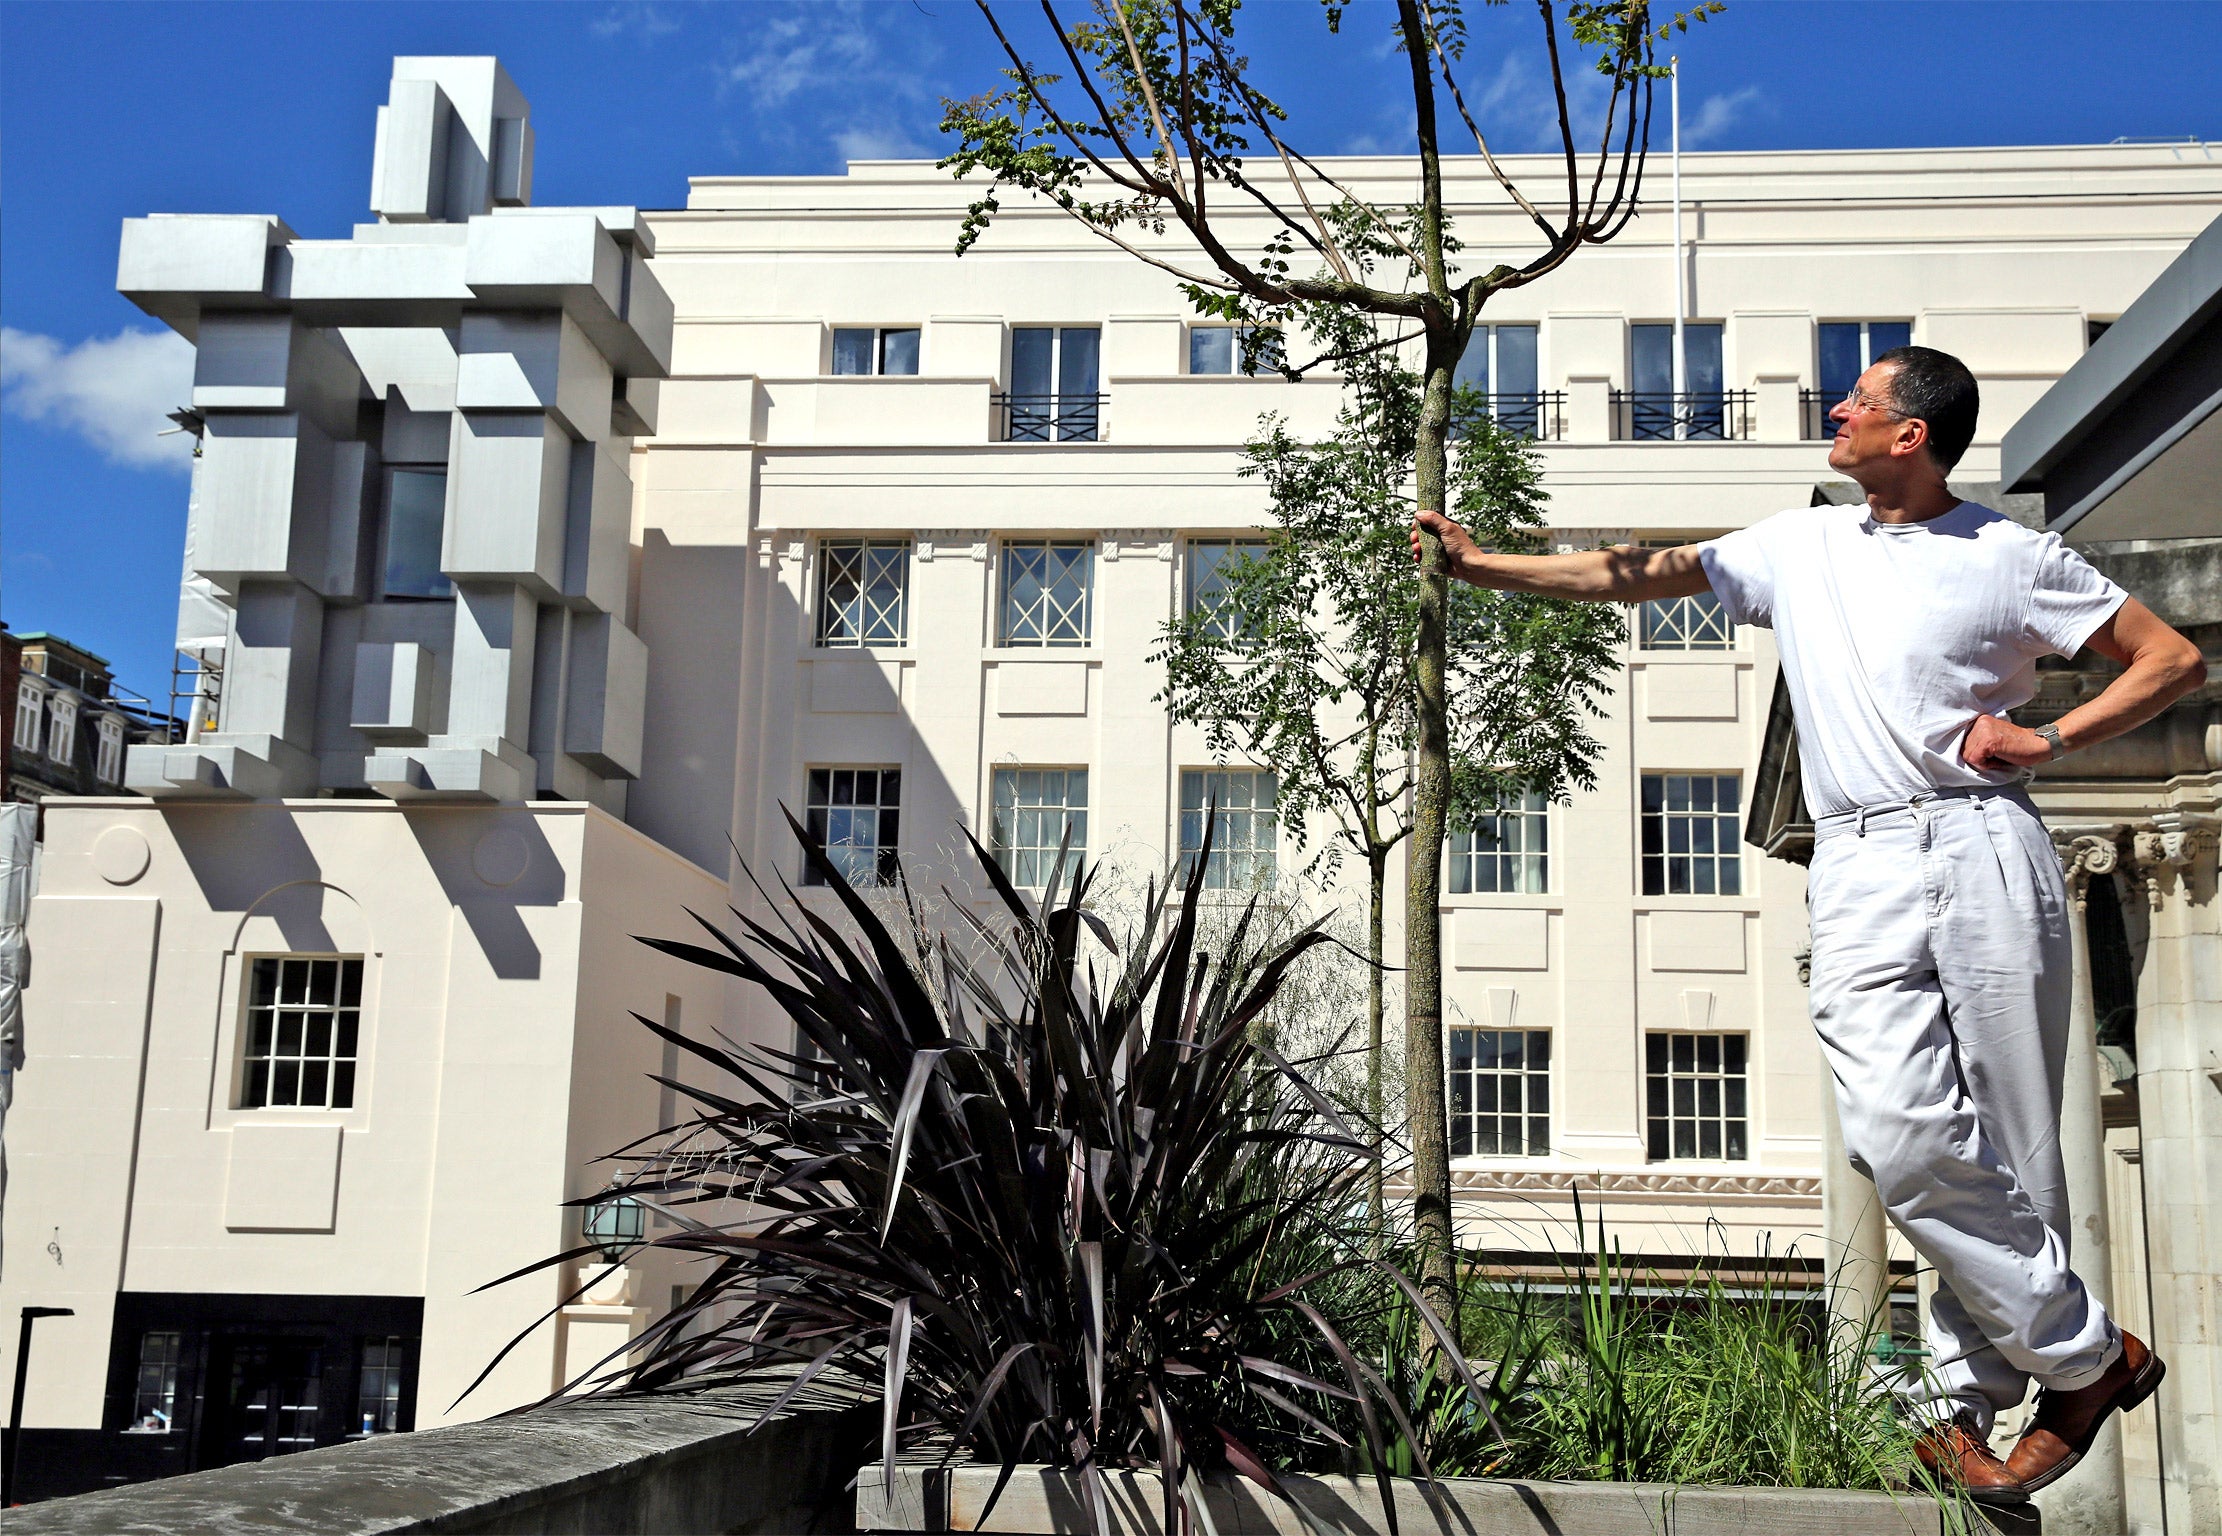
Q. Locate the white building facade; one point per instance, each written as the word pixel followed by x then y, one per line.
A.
pixel 903 530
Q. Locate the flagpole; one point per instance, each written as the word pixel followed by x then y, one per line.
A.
pixel 1681 366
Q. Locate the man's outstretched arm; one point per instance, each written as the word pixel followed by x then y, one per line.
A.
pixel 2159 666
pixel 1619 575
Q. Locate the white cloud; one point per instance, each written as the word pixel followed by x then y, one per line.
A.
pixel 1520 107
pixel 113 391
pixel 643 22
pixel 825 45
pixel 882 143
pixel 855 78
pixel 1719 114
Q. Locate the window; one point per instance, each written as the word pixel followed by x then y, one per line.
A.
pixel 109 768
pixel 1500 1093
pixel 1507 850
pixel 1053 384
pixel 2093 330
pixel 378 1396
pixel 304 1014
pixel 1230 349
pixel 1209 561
pixel 1654 412
pixel 30 705
pixel 1032 811
pixel 1693 623
pixel 888 350
pixel 855 813
pixel 154 1396
pixel 1850 347
pixel 1500 363
pixel 1048 591
pixel 1694 1096
pixel 863 592
pixel 61 729
pixel 1245 830
pixel 1691 831
pixel 416 515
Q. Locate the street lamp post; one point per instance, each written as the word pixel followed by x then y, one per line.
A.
pixel 8 1479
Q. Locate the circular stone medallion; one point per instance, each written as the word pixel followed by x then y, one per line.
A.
pixel 501 857
pixel 121 855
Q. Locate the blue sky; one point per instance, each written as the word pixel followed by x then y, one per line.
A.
pixel 111 110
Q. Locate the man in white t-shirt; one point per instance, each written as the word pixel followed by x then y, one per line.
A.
pixel 1908 627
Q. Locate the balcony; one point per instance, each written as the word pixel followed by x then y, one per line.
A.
pixel 1814 406
pixel 1661 415
pixel 1049 418
pixel 1538 416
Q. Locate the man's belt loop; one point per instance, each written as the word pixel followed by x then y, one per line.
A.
pixel 1860 825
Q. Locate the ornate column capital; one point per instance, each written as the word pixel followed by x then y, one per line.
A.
pixel 2170 845
pixel 2084 852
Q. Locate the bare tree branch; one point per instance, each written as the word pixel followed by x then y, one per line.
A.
pixel 1458 98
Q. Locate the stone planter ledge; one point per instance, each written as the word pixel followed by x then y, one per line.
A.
pixel 1040 1501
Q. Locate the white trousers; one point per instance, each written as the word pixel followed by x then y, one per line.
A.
pixel 1940 994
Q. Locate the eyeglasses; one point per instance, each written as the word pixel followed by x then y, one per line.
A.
pixel 1860 401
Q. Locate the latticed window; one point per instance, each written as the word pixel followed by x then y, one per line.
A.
pixel 1694 1096
pixel 1209 562
pixel 1507 850
pixel 154 1396
pixel 1048 591
pixel 1241 806
pixel 1033 810
pixel 1692 824
pixel 863 592
pixel 1500 1092
pixel 378 1396
pixel 304 1016
pixel 855 813
pixel 1693 623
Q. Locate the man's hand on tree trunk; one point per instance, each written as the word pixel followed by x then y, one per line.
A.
pixel 1458 545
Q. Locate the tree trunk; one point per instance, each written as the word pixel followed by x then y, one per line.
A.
pixel 1377 897
pixel 1429 1127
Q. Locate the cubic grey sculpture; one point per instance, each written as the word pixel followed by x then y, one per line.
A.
pixel 412 501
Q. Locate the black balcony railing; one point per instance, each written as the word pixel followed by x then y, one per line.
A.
pixel 1814 406
pixel 1646 415
pixel 1540 415
pixel 1049 418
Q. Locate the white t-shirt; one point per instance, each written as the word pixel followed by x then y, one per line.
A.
pixel 1895 635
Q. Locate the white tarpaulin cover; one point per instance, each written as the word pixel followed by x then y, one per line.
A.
pixel 18 842
pixel 202 619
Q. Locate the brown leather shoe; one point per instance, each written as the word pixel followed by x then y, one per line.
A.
pixel 1953 1453
pixel 2061 1431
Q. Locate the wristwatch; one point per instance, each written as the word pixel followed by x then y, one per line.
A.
pixel 2051 733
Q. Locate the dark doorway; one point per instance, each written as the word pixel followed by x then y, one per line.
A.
pixel 273 1402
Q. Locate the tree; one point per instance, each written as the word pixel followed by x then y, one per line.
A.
pixel 1146 142
pixel 1305 656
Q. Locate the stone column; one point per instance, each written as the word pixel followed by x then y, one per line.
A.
pixel 1852 1225
pixel 2089 1500
pixel 2179 1093
pixel 1858 1236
